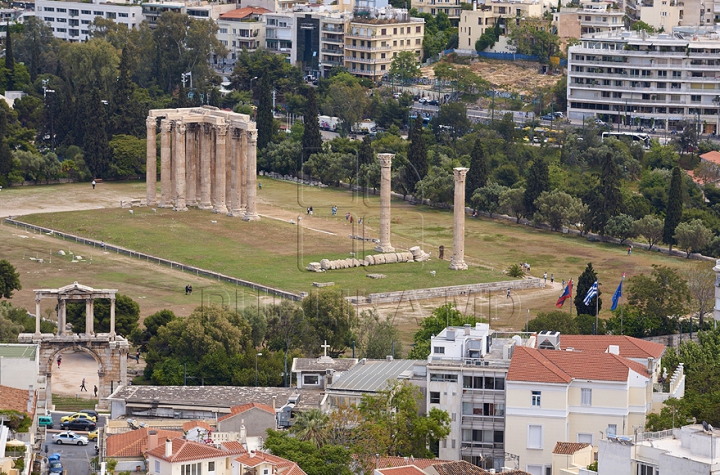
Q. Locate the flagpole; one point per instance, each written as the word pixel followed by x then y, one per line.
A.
pixel 597 309
pixel 571 302
pixel 621 320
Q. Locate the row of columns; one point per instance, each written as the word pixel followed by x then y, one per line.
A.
pixel 200 153
pixel 62 316
pixel 457 262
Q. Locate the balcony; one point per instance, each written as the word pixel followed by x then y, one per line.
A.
pixel 337 51
pixel 327 39
pixel 331 63
pixel 330 29
pixel 365 72
pixel 365 60
pixel 368 48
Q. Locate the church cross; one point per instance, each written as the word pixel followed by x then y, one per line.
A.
pixel 325 347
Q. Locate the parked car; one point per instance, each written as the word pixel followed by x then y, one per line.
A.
pixel 558 115
pixel 548 117
pixel 92 435
pixel 69 438
pixel 433 102
pixel 78 424
pixel 45 421
pixel 423 100
pixel 54 464
pixel 89 412
pixel 78 415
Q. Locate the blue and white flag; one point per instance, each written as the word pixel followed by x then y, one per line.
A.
pixel 617 294
pixel 591 293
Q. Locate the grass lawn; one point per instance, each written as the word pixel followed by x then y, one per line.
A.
pixel 71 403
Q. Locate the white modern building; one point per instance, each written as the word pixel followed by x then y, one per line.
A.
pixel 690 450
pixel 19 366
pixel 70 20
pixel 633 79
pixel 241 29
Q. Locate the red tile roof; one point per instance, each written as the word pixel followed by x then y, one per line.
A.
pixel 14 399
pixel 193 424
pixel 386 462
pixel 187 451
pixel 629 347
pixel 242 13
pixel 235 410
pixel 460 467
pixel 712 156
pixel 134 443
pixel 406 470
pixel 283 466
pixel 568 448
pixel 556 366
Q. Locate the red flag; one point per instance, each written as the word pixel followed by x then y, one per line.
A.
pixel 565 295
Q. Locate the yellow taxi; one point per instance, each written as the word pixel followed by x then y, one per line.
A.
pixel 78 415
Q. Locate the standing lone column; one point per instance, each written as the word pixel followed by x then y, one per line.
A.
pixel 179 161
pixel 151 164
pixel 251 174
pixel 205 183
pixel 37 315
pixel 89 316
pixel 458 258
pixel 385 174
pixel 62 316
pixel 165 168
pixel 112 317
pixel 220 172
pixel 235 176
pixel 191 165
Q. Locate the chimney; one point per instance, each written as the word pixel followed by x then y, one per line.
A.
pixel 168 448
pixel 273 405
pixel 651 365
pixel 153 439
pixel 467 328
pixel 474 5
pixel 614 349
pixel 388 358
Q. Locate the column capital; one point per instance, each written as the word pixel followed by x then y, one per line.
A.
pixel 251 136
pixel 151 122
pixel 165 126
pixel 222 130
pixel 181 127
pixel 460 173
pixel 385 159
pixel 37 299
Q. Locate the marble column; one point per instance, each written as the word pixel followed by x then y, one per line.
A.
pixel 242 170
pixel 151 163
pixel 228 170
pixel 89 316
pixel 165 165
pixel 457 262
pixel 112 317
pixel 251 173
pixel 62 316
pixel 37 315
pixel 191 165
pixel 235 210
pixel 179 162
pixel 205 181
pixel 385 174
pixel 220 172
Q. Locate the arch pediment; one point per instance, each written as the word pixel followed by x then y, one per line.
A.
pixel 75 289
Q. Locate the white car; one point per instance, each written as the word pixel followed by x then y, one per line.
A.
pixel 70 438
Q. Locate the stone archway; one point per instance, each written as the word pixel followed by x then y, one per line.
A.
pixel 108 349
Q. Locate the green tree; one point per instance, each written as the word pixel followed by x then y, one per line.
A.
pixel 558 209
pixel 553 321
pixel 36 47
pixel 606 200
pixel 452 118
pixel 127 315
pixel 309 426
pixel 265 121
pixel 444 316
pixel 20 316
pixel 331 317
pixel 9 62
pixel 512 202
pixel 405 66
pixel 586 325
pixel 662 295
pixel 673 215
pixel 95 145
pixel 701 284
pixel 621 227
pixel 585 281
pixel 640 25
pixel 532 37
pixel 488 197
pixel 9 279
pixel 437 186
pixel 538 180
pixel 329 167
pixel 348 102
pixel 127 110
pixel 128 156
pixel 153 323
pixel 650 227
pixel 366 159
pixel 692 236
pixel 326 460
pixel 417 155
pixel 283 157
pixel 311 139
pixel 377 337
pixel 477 175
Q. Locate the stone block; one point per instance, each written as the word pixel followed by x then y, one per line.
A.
pixel 325 264
pixel 380 259
pixel 390 258
pixel 370 260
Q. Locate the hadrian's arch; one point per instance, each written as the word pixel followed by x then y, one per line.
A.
pixel 208 159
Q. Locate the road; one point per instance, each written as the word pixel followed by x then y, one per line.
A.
pixel 75 459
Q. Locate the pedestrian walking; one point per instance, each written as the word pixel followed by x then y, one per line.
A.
pixel 95 390
pixel 187 289
pixel 137 356
pixel 347 216
pixel 563 283
pixel 59 360
pixel 552 279
pixel 82 386
pixel 351 219
pixel 629 250
pixel 260 185
pixel 190 289
pixel 93 184
pixel 507 296
pixel 441 252
pixel 545 277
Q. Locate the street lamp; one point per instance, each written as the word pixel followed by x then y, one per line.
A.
pixel 256 368
pixel 251 80
pixel 185 76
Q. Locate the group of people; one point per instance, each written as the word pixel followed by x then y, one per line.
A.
pixel 83 388
pixel 552 278
pixel 188 289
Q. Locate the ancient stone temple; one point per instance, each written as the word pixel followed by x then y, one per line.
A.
pixel 208 159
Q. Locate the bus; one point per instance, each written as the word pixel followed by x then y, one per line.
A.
pixel 641 137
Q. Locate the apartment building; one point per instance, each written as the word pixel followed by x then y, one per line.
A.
pixel 692 449
pixel 467 369
pixel 199 10
pixel 452 8
pixel 591 17
pixel 663 15
pixel 332 41
pixel 279 33
pixel 243 28
pixel 633 79
pixel 571 396
pixel 473 23
pixel 375 37
pixel 70 20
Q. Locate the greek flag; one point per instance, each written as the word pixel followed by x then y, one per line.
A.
pixel 591 293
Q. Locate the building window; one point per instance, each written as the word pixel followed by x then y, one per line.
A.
pixel 586 397
pixel 534 440
pixel 86 12
pixel 536 398
pixel 585 439
pixel 453 443
pixel 612 430
pixel 157 466
pixel 191 469
pixel 417 29
pixel 448 378
pixel 211 466
pixel 643 469
pixel 434 397
pixel 695 98
pixel 310 379
pixel 440 350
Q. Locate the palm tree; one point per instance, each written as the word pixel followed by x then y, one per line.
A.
pixel 310 426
